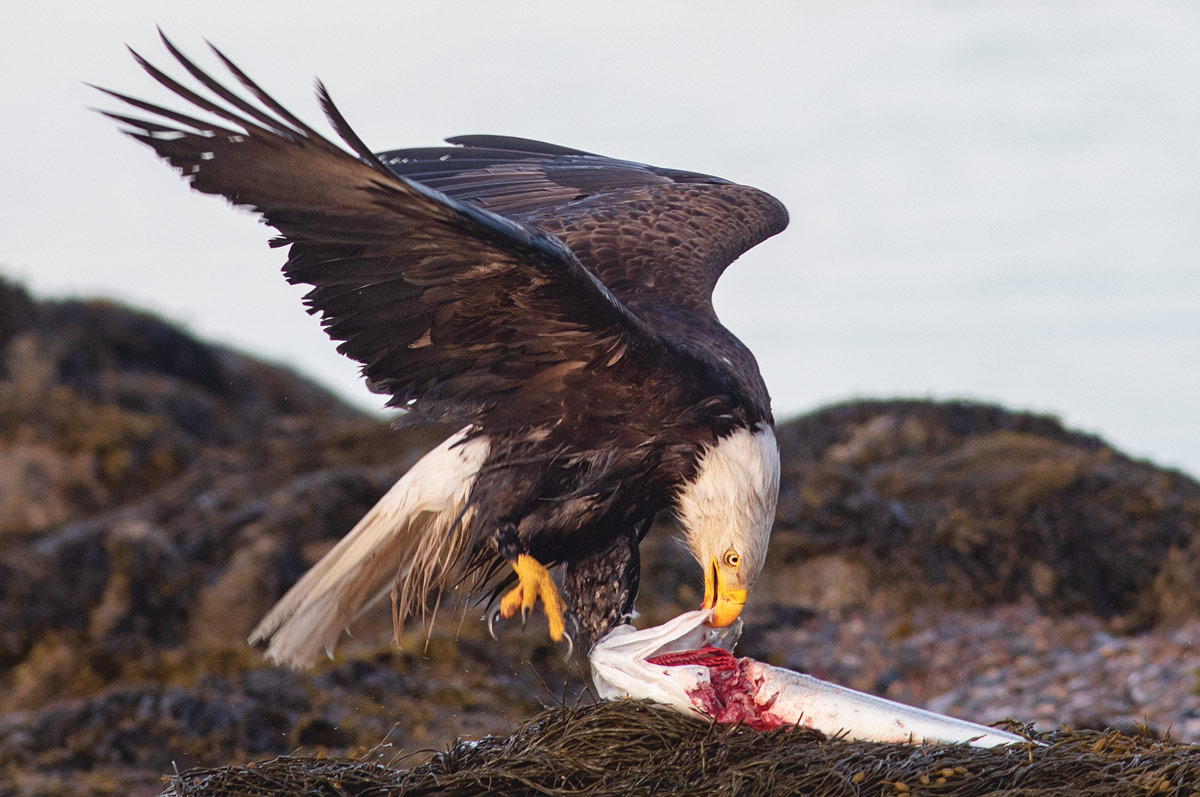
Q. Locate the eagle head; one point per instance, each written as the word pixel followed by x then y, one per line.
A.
pixel 727 510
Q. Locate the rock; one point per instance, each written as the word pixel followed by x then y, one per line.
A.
pixel 969 505
pixel 100 404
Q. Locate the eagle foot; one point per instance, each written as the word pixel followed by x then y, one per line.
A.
pixel 534 583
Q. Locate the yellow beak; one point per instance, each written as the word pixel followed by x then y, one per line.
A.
pixel 726 603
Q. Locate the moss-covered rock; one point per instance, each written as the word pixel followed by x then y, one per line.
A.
pixel 896 503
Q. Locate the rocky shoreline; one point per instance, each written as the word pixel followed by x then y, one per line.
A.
pixel 158 494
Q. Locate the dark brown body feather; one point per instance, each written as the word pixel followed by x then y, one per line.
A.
pixel 557 301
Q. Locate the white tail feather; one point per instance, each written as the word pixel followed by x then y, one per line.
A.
pixel 415 536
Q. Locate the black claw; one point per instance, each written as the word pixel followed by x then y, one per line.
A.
pixel 571 631
pixel 525 616
pixel 491 620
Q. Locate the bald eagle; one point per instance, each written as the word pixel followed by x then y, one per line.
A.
pixel 557 306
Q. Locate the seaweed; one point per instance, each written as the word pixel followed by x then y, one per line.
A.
pixel 628 747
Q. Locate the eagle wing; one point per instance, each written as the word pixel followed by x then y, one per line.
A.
pixel 459 313
pixel 658 238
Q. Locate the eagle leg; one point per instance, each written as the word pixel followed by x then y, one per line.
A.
pixel 534 583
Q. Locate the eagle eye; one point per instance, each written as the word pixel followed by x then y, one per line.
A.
pixel 732 558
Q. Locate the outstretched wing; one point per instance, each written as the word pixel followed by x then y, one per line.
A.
pixel 652 235
pixel 457 312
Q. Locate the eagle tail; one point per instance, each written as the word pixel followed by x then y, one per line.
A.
pixel 409 544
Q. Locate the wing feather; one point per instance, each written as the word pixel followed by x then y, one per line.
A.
pixel 656 237
pixel 459 313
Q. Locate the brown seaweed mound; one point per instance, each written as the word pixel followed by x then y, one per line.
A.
pixel 636 748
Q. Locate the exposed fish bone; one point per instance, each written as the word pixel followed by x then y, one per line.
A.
pixel 688 664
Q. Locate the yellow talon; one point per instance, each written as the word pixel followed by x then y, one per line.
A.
pixel 534 583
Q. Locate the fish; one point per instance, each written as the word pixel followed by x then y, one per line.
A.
pixel 688 664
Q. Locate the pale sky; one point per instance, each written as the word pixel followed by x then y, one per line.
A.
pixel 997 199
